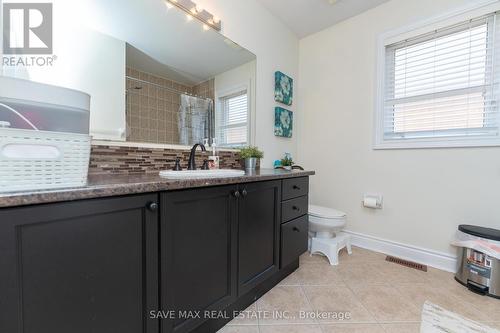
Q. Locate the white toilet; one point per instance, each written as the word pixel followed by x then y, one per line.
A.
pixel 325 236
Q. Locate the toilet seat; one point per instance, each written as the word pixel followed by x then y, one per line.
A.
pixel 324 217
pixel 325 212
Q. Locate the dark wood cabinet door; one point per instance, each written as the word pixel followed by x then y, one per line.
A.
pixel 258 233
pixel 198 255
pixel 79 267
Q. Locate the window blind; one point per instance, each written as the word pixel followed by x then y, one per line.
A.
pixel 232 119
pixel 443 84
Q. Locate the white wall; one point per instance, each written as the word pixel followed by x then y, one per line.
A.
pixel 249 24
pixel 427 192
pixel 237 78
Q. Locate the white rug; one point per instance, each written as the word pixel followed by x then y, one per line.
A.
pixel 435 319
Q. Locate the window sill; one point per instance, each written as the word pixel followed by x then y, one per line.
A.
pixel 437 143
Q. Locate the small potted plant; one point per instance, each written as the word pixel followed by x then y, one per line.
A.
pixel 251 154
pixel 287 162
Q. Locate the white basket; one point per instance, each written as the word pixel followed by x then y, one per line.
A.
pixel 35 160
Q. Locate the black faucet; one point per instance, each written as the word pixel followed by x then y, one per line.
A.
pixel 192 163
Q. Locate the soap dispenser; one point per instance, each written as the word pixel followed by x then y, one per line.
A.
pixel 177 166
pixel 214 159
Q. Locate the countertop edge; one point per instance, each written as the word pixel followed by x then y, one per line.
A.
pixel 156 184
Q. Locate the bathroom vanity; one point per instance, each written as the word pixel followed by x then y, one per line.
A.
pixel 146 254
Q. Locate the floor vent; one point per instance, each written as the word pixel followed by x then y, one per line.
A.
pixel 406 263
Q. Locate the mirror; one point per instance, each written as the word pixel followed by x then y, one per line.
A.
pixel 155 74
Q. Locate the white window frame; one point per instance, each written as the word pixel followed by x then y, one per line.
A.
pixel 390 37
pixel 227 92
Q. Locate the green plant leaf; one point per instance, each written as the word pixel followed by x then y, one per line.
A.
pixel 251 151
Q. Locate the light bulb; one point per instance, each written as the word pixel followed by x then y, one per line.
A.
pixel 193 10
pixel 169 5
pixel 216 19
pixel 189 17
pixel 205 27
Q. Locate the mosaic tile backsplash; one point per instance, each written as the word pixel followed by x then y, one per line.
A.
pixel 134 160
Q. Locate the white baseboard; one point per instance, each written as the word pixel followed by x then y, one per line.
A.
pixel 420 255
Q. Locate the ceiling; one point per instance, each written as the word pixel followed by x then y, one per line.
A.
pixel 305 17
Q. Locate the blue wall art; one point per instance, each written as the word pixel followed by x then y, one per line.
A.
pixel 283 88
pixel 283 122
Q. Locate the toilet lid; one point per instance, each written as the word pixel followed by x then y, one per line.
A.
pixel 325 212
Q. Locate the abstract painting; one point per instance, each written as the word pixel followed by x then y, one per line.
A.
pixel 283 122
pixel 283 88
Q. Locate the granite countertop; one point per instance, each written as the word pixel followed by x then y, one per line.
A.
pixel 114 185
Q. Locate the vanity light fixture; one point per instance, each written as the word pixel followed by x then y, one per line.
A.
pixel 194 10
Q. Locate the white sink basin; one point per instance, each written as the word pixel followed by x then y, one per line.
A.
pixel 190 174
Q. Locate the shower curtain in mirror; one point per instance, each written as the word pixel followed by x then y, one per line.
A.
pixel 196 120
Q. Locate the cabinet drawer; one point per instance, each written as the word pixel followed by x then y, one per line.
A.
pixel 293 240
pixel 295 187
pixel 293 208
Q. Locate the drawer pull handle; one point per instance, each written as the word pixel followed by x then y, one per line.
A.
pixel 236 194
pixel 152 206
pixel 295 187
pixel 296 229
pixel 244 192
pixel 296 208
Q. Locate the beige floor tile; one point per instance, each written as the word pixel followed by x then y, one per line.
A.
pixel 318 275
pixel 307 258
pixel 402 328
pixel 398 274
pixel 488 306
pixel 360 255
pixel 420 293
pixel 291 280
pixel 283 305
pixel 338 304
pixel 369 289
pixel 438 276
pixel 296 328
pixel 354 274
pixel 352 328
pixel 247 317
pixel 387 304
pixel 239 329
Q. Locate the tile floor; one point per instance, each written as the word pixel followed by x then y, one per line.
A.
pixel 377 296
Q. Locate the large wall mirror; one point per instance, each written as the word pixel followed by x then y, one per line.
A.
pixel 155 75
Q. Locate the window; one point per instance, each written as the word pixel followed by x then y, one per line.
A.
pixel 441 89
pixel 232 119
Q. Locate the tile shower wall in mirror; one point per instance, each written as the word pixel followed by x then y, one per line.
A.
pixel 153 108
pixel 166 105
